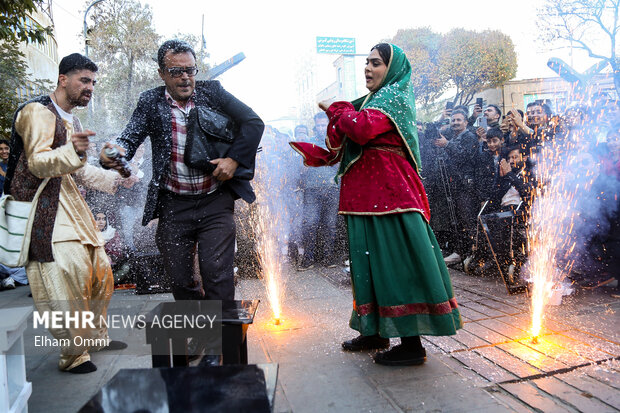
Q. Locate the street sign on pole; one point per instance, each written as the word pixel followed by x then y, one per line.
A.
pixel 222 67
pixel 335 45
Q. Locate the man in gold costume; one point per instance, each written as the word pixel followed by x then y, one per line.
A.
pixel 68 269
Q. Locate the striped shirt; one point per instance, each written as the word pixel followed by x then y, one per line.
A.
pixel 180 178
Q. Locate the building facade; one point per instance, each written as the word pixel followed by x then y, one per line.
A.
pixel 42 59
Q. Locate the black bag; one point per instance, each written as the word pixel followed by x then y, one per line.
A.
pixel 210 135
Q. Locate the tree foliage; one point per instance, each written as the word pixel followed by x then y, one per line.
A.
pixel 470 61
pixel 476 61
pixel 14 75
pixel 590 25
pixel 124 45
pixel 14 27
pixel 422 49
pixel 12 71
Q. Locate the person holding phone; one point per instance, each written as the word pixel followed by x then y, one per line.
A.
pixel 444 119
pixel 489 119
pixel 401 286
pixel 477 111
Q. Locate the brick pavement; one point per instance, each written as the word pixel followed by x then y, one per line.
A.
pixel 491 365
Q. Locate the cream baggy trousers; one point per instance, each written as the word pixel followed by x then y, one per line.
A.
pixel 79 279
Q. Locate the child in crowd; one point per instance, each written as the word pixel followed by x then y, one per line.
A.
pixel 488 162
pixel 513 183
pixel 114 247
pixel 511 193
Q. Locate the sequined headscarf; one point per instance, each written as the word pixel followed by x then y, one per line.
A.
pixel 396 100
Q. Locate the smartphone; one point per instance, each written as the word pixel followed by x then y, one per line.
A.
pixel 483 122
pixel 479 102
pixel 449 105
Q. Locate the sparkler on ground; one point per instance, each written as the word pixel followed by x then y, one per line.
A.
pixel 554 212
pixel 269 219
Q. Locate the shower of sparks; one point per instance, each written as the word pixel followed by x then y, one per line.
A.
pixel 269 217
pixel 551 241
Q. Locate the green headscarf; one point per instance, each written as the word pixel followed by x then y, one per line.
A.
pixel 396 100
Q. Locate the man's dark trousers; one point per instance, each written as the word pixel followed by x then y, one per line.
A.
pixel 207 219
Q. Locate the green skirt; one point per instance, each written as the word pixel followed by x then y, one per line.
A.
pixel 401 286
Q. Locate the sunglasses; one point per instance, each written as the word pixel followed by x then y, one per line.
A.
pixel 178 71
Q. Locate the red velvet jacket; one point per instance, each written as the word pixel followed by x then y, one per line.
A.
pixel 381 181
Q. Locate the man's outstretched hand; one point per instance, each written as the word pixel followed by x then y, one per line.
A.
pixel 80 141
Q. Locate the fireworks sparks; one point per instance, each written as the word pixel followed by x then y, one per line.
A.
pixel 271 226
pixel 268 253
pixel 562 182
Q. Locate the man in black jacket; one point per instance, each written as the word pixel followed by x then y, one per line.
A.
pixel 193 207
pixel 461 148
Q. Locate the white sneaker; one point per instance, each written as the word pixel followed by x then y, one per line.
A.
pixel 7 284
pixel 453 258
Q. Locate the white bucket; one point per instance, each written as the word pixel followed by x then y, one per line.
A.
pixel 555 298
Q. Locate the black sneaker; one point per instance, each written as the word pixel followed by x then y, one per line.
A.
pixel 400 356
pixel 361 343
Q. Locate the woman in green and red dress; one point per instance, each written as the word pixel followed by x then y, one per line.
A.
pixel 401 286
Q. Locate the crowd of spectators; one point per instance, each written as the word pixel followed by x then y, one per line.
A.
pixel 484 165
pixel 474 165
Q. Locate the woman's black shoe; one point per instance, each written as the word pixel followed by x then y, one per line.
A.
pixel 361 343
pixel 401 356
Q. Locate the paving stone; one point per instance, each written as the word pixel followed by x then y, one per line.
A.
pixel 555 351
pixel 485 368
pixel 594 322
pixel 571 347
pixel 507 361
pixel 471 314
pixel 483 309
pixel 509 400
pixel 434 369
pixel 500 306
pixel 550 325
pixel 468 339
pixel 535 398
pixel 463 296
pixel 578 399
pixel 535 358
pixel 485 333
pixel 316 375
pixel 465 371
pixel 596 341
pixel 451 394
pixel 608 373
pixel 588 385
pixel 446 343
pixel 509 331
pixel 431 348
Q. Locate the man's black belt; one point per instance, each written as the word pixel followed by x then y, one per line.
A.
pixel 174 195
